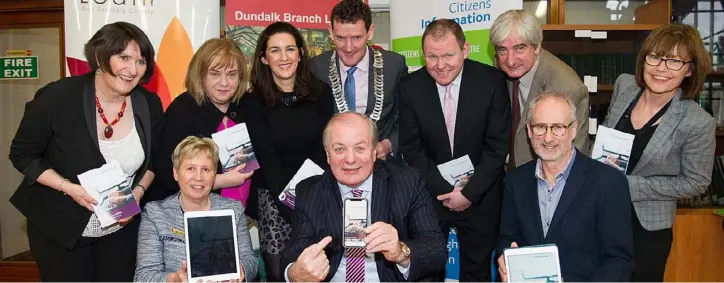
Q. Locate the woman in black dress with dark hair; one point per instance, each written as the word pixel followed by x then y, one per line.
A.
pixel 286 110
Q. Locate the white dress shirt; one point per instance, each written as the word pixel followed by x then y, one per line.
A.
pixel 371 274
pixel 361 80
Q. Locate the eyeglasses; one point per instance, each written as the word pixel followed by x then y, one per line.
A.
pixel 672 64
pixel 558 130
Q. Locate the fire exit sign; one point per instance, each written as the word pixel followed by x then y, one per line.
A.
pixel 20 67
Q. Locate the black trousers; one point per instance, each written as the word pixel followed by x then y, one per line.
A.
pixel 111 258
pixel 475 246
pixel 651 250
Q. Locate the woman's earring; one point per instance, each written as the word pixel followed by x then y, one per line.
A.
pixel 98 72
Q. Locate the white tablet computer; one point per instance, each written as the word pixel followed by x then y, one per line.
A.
pixel 211 245
pixel 533 264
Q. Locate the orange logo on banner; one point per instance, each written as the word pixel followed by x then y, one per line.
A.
pixel 174 56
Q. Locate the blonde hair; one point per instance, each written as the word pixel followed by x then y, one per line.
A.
pixel 193 145
pixel 223 53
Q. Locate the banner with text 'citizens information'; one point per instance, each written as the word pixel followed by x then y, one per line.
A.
pixel 408 19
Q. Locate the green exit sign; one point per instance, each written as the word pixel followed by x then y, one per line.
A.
pixel 20 67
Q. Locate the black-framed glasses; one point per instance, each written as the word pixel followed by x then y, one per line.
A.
pixel 671 64
pixel 558 130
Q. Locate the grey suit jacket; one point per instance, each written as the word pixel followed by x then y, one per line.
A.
pixel 553 75
pixel 676 163
pixel 394 69
pixel 162 244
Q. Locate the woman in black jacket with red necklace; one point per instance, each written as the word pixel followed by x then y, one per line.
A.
pixel 286 113
pixel 215 82
pixel 77 124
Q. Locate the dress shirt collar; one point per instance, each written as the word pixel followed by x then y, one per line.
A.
pixel 527 79
pixel 363 65
pixel 563 175
pixel 365 186
pixel 455 82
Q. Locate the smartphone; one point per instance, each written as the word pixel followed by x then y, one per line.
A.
pixel 356 218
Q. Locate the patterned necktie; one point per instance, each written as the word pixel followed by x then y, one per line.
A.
pixel 349 89
pixel 514 126
pixel 449 113
pixel 355 257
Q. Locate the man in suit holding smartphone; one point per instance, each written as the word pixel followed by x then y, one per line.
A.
pixel 452 108
pixel 403 242
pixel 568 199
pixel 363 79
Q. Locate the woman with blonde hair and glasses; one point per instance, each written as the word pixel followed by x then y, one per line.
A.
pixel 673 149
pixel 215 82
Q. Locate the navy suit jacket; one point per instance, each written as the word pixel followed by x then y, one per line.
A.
pixel 399 198
pixel 591 225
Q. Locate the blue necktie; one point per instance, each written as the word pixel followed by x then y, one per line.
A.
pixel 349 95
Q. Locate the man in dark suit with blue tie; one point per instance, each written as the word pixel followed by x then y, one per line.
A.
pixel 568 199
pixel 363 79
pixel 403 242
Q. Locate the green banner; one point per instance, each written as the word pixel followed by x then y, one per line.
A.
pixel 409 18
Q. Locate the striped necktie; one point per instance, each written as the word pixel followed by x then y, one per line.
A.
pixel 355 257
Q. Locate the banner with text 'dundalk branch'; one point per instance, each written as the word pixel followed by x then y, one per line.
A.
pixel 175 28
pixel 408 19
pixel 245 20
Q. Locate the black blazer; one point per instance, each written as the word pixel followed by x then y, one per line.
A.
pixel 283 137
pixel 591 225
pixel 482 131
pixel 398 198
pixel 58 131
pixel 183 118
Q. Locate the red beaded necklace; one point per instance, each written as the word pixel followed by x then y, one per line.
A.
pixel 108 131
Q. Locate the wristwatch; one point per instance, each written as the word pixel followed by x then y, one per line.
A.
pixel 405 250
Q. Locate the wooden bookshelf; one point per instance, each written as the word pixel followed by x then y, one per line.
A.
pixel 605 87
pixel 629 27
pixel 719 73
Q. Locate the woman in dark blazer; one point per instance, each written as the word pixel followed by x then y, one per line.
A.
pixel 215 81
pixel 673 149
pixel 80 123
pixel 286 113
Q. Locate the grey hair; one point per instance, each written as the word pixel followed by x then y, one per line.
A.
pixel 339 116
pixel 526 25
pixel 551 95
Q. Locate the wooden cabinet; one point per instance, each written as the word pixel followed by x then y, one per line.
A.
pixel 697 253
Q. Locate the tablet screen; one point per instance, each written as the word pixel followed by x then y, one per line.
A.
pixel 538 267
pixel 211 245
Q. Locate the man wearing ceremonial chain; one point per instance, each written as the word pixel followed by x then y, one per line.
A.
pixel 363 79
